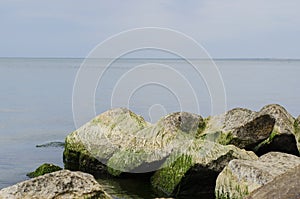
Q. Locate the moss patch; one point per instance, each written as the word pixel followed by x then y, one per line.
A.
pixel 173 170
pixel 43 169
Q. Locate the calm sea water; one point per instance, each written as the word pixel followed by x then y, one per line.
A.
pixel 36 99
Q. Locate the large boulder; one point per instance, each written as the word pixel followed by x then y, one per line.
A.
pixel 241 127
pixel 242 177
pixel 152 145
pixel 89 147
pixel 60 184
pixel 284 135
pixel 281 187
pixel 192 169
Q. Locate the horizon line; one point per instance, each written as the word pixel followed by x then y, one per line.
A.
pixel 162 58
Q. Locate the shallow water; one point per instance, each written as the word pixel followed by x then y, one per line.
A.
pixel 36 101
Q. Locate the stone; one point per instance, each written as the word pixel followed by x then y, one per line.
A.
pixel 193 169
pixel 89 147
pixel 51 144
pixel 241 127
pixel 61 184
pixel 284 135
pixel 44 169
pixel 152 145
pixel 241 177
pixel 281 187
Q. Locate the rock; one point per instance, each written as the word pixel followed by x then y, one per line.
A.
pixel 44 169
pixel 241 127
pixel 152 145
pixel 242 177
pixel 193 169
pixel 297 131
pixel 281 187
pixel 89 147
pixel 283 136
pixel 52 144
pixel 60 184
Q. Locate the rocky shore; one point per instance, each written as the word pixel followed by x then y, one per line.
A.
pixel 238 154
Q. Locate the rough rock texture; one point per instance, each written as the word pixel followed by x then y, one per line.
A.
pixel 284 136
pixel 44 169
pixel 60 184
pixel 151 145
pixel 297 131
pixel 281 187
pixel 99 139
pixel 193 169
pixel 241 127
pixel 242 177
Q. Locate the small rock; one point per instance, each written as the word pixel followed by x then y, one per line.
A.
pixel 44 169
pixel 242 177
pixel 62 184
pixel 52 144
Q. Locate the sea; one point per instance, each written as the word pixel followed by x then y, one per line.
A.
pixel 42 100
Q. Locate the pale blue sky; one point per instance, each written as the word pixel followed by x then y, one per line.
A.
pixel 227 29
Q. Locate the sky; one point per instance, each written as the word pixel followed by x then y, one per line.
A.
pixel 226 29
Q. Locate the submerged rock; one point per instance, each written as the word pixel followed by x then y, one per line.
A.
pixel 242 177
pixel 44 169
pixel 193 169
pixel 89 147
pixel 51 144
pixel 284 133
pixel 241 127
pixel 60 184
pixel 281 187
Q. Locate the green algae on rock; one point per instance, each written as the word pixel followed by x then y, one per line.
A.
pixel 241 177
pixel 89 147
pixel 151 145
pixel 44 169
pixel 199 162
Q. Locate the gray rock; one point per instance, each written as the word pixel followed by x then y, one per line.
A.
pixel 60 184
pixel 151 145
pixel 284 135
pixel 242 177
pixel 193 169
pixel 89 147
pixel 281 187
pixel 51 144
pixel 241 127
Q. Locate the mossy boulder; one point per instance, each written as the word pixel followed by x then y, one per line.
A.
pixel 92 145
pixel 44 169
pixel 241 177
pixel 153 144
pixel 240 127
pixel 193 168
pixel 285 134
